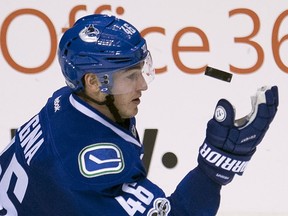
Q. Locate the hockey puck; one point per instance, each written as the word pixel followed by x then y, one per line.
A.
pixel 218 74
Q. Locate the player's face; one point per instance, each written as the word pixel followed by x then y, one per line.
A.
pixel 132 79
pixel 128 79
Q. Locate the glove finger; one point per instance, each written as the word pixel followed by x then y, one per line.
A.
pixel 263 111
pixel 260 123
pixel 272 101
pixel 275 92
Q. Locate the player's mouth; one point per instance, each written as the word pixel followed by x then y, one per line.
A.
pixel 136 101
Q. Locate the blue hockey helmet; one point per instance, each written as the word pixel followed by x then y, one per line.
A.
pixel 104 45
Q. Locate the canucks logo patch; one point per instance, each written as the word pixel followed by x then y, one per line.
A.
pixel 100 159
pixel 89 34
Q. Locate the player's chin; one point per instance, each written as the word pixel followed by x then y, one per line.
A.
pixel 130 113
pixel 134 112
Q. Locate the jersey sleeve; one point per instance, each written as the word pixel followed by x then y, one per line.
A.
pixel 195 195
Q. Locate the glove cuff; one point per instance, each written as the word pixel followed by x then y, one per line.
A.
pixel 219 165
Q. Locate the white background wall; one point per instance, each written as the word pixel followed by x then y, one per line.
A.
pixel 178 103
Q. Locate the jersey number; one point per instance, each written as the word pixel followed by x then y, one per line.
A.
pixel 19 189
pixel 130 205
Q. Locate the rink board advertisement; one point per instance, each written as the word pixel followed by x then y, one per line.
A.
pixel 248 39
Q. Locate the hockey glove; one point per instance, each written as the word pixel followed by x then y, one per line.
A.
pixel 230 143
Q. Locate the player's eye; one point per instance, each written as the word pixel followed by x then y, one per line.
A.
pixel 133 75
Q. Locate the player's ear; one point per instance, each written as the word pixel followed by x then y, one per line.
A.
pixel 92 87
pixel 91 82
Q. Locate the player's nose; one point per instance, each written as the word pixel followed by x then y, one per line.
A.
pixel 141 83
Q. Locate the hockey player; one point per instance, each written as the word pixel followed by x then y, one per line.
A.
pixel 81 154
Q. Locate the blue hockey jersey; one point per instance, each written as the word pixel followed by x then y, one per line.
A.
pixel 70 160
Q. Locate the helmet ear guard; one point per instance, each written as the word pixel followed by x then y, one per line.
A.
pixel 103 45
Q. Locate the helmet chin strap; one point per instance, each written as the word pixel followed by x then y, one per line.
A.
pixel 109 102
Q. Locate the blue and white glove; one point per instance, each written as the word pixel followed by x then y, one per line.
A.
pixel 230 143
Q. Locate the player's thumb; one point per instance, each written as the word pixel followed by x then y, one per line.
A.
pixel 224 113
